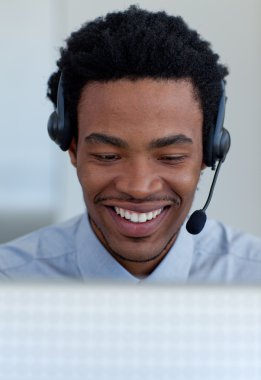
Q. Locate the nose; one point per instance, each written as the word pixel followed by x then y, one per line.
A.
pixel 139 180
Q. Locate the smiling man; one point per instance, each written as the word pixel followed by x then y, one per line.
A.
pixel 139 106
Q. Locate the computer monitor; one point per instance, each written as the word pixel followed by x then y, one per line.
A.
pixel 117 331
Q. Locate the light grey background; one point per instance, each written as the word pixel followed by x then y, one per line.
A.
pixel 38 184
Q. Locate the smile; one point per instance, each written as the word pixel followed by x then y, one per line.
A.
pixel 137 223
pixel 137 217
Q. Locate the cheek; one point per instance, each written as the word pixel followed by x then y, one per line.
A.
pixel 93 180
pixel 184 181
pixel 189 180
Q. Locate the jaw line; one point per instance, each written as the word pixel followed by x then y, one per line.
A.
pixel 166 248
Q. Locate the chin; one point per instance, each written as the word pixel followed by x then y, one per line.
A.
pixel 141 249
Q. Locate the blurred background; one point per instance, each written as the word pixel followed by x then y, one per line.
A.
pixel 38 186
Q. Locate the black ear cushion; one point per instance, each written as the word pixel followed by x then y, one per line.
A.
pixel 66 134
pixel 217 150
pixel 52 125
pixel 223 146
pixel 59 128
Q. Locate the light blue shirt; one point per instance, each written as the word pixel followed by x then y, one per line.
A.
pixel 219 254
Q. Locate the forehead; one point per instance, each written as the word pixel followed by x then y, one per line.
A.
pixel 147 107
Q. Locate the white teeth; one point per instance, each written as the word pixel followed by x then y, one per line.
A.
pixel 149 215
pixel 142 218
pixel 126 214
pixel 134 217
pixel 137 217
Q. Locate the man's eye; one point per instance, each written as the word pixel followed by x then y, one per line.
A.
pixel 172 159
pixel 106 157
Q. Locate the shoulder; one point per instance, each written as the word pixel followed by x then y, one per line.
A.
pixel 227 253
pixel 47 243
pixel 220 239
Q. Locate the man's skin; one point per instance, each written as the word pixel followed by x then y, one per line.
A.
pixel 139 149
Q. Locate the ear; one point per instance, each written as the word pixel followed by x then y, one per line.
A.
pixel 73 152
pixel 203 166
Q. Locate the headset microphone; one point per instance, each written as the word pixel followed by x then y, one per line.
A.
pixel 197 220
pixel 217 149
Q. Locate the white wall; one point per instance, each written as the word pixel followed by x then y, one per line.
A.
pixel 25 62
pixel 34 174
pixel 26 170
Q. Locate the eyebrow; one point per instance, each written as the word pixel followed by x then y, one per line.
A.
pixel 170 140
pixel 101 138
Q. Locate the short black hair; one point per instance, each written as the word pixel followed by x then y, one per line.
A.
pixel 136 44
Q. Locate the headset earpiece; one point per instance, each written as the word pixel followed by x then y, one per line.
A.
pixel 219 140
pixel 58 124
pixel 52 125
pixel 223 145
pixel 216 150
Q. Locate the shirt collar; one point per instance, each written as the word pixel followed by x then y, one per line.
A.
pixel 96 263
pixel 176 264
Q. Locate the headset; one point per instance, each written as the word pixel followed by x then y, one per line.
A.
pixel 218 142
pixel 215 149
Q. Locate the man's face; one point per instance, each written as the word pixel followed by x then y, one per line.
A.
pixel 138 159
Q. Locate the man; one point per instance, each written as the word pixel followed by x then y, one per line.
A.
pixel 140 105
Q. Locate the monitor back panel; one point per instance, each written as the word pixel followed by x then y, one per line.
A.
pixel 125 332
